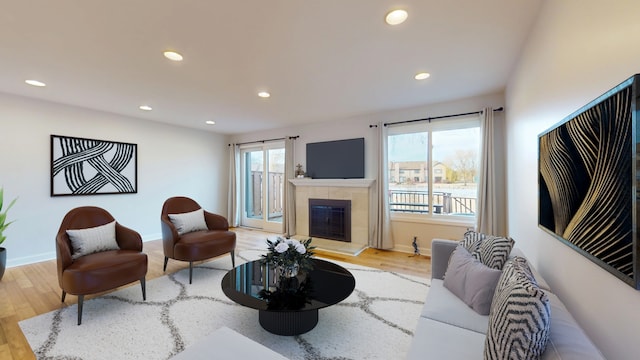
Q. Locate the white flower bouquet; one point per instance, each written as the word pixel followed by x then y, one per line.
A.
pixel 289 252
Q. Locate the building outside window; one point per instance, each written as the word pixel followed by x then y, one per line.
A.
pixel 450 170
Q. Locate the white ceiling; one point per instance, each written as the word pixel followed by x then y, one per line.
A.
pixel 320 59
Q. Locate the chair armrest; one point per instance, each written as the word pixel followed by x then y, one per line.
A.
pixel 128 239
pixel 441 251
pixel 63 253
pixel 215 221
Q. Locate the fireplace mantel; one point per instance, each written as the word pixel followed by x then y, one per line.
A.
pixel 359 183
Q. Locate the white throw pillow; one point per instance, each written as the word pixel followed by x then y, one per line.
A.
pixel 189 221
pixel 93 240
pixel 519 319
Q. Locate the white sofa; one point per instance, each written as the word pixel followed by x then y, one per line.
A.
pixel 449 329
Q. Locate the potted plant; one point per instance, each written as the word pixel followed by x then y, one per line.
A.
pixel 3 225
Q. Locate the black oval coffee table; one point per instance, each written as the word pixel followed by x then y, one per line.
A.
pixel 288 306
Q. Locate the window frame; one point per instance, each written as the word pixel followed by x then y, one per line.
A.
pixel 469 121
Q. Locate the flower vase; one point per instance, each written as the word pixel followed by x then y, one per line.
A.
pixel 289 271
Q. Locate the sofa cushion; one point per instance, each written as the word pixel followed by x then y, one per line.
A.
pixel 519 319
pixel 494 251
pixel 437 340
pixel 189 221
pixel 471 281
pixel 92 240
pixel 567 340
pixel 442 305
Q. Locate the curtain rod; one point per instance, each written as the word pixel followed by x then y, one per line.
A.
pixel 264 141
pixel 436 117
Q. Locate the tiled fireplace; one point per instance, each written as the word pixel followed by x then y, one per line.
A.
pixel 357 191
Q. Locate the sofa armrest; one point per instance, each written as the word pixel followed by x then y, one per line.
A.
pixel 441 251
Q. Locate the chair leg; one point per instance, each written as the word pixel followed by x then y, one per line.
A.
pixel 80 302
pixel 166 260
pixel 190 271
pixel 64 295
pixel 144 289
pixel 233 259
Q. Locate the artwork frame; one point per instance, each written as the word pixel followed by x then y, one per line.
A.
pixel 83 166
pixel 588 181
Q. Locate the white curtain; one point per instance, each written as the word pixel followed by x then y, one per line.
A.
pixel 488 216
pixel 381 224
pixel 233 213
pixel 289 211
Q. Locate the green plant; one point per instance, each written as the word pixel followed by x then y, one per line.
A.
pixel 3 216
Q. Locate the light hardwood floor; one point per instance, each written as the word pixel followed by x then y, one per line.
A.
pixel 30 290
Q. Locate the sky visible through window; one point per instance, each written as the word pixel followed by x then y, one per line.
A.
pixel 413 146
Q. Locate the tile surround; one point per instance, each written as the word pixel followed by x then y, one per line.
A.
pixel 359 191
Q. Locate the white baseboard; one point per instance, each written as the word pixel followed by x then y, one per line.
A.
pixel 26 260
pixel 409 249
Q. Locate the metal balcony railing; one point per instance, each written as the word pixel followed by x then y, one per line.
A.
pixel 410 201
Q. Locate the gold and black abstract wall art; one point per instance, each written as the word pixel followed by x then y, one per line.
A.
pixel 588 182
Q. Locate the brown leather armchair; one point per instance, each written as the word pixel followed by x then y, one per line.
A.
pixel 100 271
pixel 196 245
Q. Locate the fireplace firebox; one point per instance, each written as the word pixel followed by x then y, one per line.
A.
pixel 330 219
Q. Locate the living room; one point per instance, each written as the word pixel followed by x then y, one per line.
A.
pixel 574 52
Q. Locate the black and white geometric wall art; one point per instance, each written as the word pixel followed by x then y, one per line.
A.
pixel 91 167
pixel 588 181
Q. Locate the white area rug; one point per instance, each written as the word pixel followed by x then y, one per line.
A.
pixel 376 322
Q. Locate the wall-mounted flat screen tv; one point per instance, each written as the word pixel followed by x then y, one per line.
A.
pixel 588 181
pixel 338 159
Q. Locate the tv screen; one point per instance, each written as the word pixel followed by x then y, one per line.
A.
pixel 339 159
pixel 588 183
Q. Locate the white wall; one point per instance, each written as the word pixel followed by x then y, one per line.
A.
pixel 171 161
pixel 358 126
pixel 577 51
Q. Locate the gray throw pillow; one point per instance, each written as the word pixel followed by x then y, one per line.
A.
pixel 92 240
pixel 189 221
pixel 471 281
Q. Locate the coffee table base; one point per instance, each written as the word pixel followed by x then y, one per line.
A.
pixel 288 323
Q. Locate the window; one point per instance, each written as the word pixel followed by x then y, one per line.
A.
pixel 450 169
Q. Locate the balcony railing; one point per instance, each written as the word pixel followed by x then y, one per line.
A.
pixel 443 203
pixel 274 193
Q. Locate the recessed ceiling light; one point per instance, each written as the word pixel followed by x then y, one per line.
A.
pixel 264 94
pixel 146 107
pixel 396 17
pixel 35 83
pixel 422 76
pixel 172 55
pixel 210 122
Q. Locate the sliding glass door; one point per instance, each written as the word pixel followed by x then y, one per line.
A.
pixel 263 186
